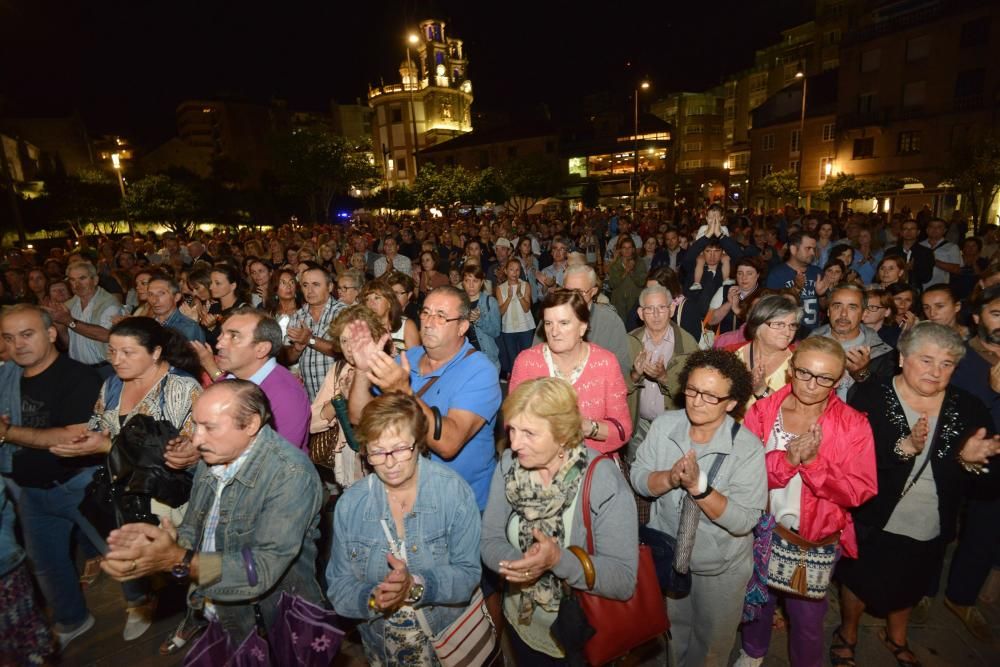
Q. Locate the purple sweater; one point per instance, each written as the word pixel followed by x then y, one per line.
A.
pixel 290 406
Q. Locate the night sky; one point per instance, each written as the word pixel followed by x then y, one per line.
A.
pixel 126 64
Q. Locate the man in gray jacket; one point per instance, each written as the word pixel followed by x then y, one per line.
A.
pixel 250 529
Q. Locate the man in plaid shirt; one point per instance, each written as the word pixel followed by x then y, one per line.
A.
pixel 308 330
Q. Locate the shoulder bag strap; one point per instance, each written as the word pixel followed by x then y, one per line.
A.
pixel 585 497
pixel 430 383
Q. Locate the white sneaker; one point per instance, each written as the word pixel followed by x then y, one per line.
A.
pixel 139 619
pixel 64 638
pixel 746 661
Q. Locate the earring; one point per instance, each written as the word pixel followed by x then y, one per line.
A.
pixel 562 453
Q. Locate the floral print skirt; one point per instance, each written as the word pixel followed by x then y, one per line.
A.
pixel 25 638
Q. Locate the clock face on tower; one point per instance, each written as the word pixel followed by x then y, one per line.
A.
pixel 440 70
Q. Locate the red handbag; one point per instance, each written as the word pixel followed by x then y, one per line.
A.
pixel 619 625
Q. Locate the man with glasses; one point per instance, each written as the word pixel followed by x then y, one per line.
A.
pixel 867 354
pixel 457 387
pixel 663 348
pixel 552 276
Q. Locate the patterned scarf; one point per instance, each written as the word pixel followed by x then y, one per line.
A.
pixel 542 507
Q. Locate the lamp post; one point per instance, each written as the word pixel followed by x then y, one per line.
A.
pixel 116 162
pixel 802 126
pixel 411 41
pixel 636 184
pixel 725 186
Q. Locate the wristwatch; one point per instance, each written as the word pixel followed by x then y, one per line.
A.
pixel 416 593
pixel 183 568
pixel 72 324
pixel 312 341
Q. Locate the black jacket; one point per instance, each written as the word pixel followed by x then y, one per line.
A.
pixel 923 263
pixel 961 415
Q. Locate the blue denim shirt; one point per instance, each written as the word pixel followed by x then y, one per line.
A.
pixel 272 506
pixel 442 546
pixel 11 553
pixel 10 405
pixel 488 327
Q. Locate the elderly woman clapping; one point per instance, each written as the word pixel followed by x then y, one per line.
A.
pixel 535 514
pixel 931 443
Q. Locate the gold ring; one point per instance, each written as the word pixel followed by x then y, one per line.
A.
pixel 134 565
pixel 527 573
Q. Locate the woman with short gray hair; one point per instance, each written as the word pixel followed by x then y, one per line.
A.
pixel 771 327
pixel 932 442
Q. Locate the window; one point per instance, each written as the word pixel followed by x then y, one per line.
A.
pixel 692 146
pixel 822 167
pixel 867 102
pixel 871 60
pixel 793 145
pixel 975 32
pixel 691 164
pixel 693 129
pixel 794 165
pixel 791 69
pixel 909 142
pixel 767 142
pixel 400 162
pixel 758 82
pixel 918 48
pixel 829 129
pixel 970 83
pixel 864 148
pixel 766 169
pixel 578 166
pixel 396 114
pixel 832 37
pixel 830 63
pixel 914 94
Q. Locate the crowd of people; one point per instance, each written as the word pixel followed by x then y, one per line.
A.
pixel 407 419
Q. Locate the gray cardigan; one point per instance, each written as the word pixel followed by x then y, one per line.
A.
pixel 742 478
pixel 613 520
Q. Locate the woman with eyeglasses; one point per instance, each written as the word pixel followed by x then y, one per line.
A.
pixel 593 371
pixel 932 443
pixel 820 460
pixel 700 460
pixel 406 539
pixel 880 316
pixel 771 327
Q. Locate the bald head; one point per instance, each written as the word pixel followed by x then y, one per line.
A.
pixel 227 418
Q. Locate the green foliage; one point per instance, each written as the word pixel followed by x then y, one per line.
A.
pixel 488 188
pixel 91 196
pixel 844 187
pixel 314 166
pixel 444 188
pixel 529 179
pixel 975 171
pixel 161 198
pixel 782 185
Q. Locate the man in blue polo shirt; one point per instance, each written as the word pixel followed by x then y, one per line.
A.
pixel 457 387
pixel 164 296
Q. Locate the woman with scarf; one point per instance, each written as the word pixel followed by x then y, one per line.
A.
pixel 820 461
pixel 535 513
pixel 932 441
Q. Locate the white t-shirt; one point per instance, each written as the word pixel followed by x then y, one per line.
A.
pixel 945 251
pixel 786 503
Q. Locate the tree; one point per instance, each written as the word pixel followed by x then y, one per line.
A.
pixel 88 198
pixel 844 187
pixel 782 185
pixel 315 165
pixel 975 171
pixel 444 187
pixel 591 193
pixel 160 198
pixel 529 179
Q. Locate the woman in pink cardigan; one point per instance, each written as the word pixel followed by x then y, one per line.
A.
pixel 593 371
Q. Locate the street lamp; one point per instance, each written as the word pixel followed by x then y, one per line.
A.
pixel 411 41
pixel 643 85
pixel 802 126
pixel 725 186
pixel 116 162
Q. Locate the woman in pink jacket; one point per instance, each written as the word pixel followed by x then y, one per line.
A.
pixel 820 463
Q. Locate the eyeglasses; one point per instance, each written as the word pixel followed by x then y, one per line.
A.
pixel 710 399
pixel 659 310
pixel 398 455
pixel 346 287
pixel 806 376
pixel 781 326
pixel 873 309
pixel 437 318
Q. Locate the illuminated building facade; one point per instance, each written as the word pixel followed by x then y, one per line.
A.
pixel 431 104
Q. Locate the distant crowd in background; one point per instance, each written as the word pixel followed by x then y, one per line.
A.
pixel 787 401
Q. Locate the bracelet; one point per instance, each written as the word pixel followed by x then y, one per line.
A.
pixel 595 429
pixel 437 422
pixel 898 451
pixel 704 494
pixel 372 605
pixel 974 468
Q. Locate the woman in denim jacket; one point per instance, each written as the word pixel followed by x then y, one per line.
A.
pixel 405 539
pixel 484 314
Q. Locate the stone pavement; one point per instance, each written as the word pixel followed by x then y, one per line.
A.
pixel 941 642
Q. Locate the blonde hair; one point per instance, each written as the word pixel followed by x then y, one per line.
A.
pixel 823 345
pixel 553 400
